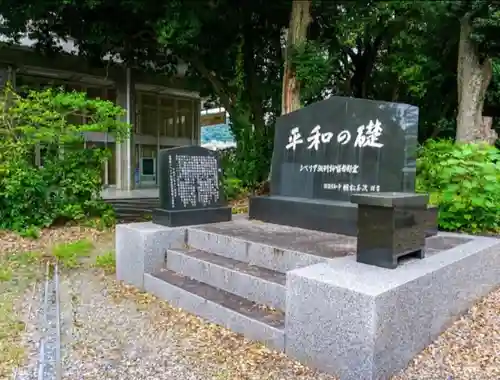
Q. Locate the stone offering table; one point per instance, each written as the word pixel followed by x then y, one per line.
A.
pixel 389 227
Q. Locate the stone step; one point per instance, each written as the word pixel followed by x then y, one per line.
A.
pixel 133 202
pixel 254 321
pixel 254 283
pixel 149 199
pixel 131 218
pixel 274 247
pixel 133 207
pixel 132 211
pixel 127 206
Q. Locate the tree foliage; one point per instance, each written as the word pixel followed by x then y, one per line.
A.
pixel 67 185
pixel 484 17
pixel 399 51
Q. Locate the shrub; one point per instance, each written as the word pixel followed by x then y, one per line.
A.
pixel 464 180
pixel 68 185
pixel 227 159
pixel 234 188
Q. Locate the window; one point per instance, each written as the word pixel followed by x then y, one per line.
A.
pixel 25 83
pixel 185 116
pixel 147 114
pixel 95 92
pixel 110 94
pixel 148 100
pixel 149 151
pixel 73 87
pixel 167 117
pixel 149 121
pixel 167 127
pixel 168 124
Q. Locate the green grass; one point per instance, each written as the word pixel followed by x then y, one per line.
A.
pixel 20 264
pixel 106 261
pixel 240 209
pixel 24 260
pixel 69 255
pixel 5 273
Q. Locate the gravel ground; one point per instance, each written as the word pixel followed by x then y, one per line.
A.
pixel 112 331
pixel 30 311
pixel 468 350
pixel 107 340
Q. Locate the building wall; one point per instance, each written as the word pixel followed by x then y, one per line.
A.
pixel 161 121
pixel 160 118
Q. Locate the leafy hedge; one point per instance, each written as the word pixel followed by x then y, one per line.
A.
pixel 464 181
pixel 68 185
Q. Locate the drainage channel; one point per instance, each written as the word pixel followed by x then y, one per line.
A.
pixel 49 325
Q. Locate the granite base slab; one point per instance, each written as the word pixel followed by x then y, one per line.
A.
pixel 311 214
pixel 320 215
pixel 190 217
pixel 362 322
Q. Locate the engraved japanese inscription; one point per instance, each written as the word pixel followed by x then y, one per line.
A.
pixel 193 178
pixel 339 146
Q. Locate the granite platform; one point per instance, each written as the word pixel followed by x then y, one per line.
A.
pixel 302 291
pixel 382 318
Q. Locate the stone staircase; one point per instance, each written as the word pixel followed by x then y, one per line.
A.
pixel 234 274
pixel 133 209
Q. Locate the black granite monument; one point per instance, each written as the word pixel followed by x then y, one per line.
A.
pixel 331 149
pixel 191 190
pixel 389 227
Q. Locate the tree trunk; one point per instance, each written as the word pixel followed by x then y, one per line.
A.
pixel 473 78
pixel 300 19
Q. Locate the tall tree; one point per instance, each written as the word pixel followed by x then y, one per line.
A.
pixel 296 36
pixel 479 28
